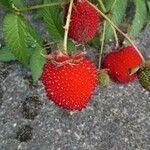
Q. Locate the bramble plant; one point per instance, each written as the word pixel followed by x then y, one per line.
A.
pixel 70 23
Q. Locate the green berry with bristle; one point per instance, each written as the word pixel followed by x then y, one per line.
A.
pixel 104 78
pixel 144 75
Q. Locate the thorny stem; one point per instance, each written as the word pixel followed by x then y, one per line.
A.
pixel 39 6
pixel 120 31
pixel 102 45
pixel 67 25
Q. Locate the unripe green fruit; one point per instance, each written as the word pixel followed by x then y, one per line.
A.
pixel 144 76
pixel 104 78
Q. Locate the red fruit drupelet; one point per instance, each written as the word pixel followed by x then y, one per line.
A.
pixel 70 86
pixel 84 22
pixel 119 62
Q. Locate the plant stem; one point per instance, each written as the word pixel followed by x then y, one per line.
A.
pixel 102 45
pixel 39 6
pixel 116 37
pixel 67 25
pixel 102 38
pixel 119 30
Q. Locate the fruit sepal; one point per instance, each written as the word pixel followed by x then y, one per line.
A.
pixel 59 58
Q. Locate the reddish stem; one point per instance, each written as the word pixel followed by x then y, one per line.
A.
pixel 119 30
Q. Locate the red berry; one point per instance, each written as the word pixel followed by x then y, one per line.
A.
pixel 70 86
pixel 84 22
pixel 119 63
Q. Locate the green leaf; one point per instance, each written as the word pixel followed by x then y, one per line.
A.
pixel 8 3
pixel 53 21
pixel 148 5
pixel 139 19
pixel 36 63
pixel 54 24
pixel 20 36
pixel 95 42
pixel 148 14
pixel 71 47
pixel 116 15
pixel 15 36
pixel 34 40
pixel 5 3
pixel 19 3
pixel 6 55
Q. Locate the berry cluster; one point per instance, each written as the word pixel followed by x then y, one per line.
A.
pixel 71 80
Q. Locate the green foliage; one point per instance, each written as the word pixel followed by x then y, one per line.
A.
pixel 36 63
pixel 15 28
pixel 53 21
pixel 116 15
pixel 24 42
pixel 95 42
pixel 34 40
pixel 6 55
pixel 19 3
pixel 19 36
pixel 5 3
pixel 148 13
pixel 8 3
pixel 116 10
pixel 139 19
pixel 71 46
pixel 148 5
